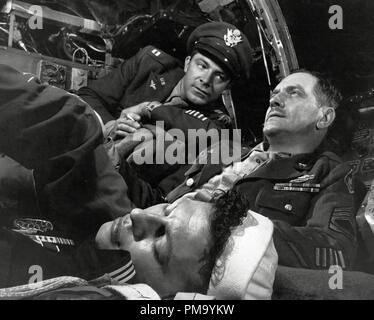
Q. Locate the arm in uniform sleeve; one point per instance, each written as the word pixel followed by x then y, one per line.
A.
pixel 104 94
pixel 329 236
pixel 40 122
pixel 176 117
pixel 58 134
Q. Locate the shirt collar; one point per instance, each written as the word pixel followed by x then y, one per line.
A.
pixel 263 148
pixel 175 96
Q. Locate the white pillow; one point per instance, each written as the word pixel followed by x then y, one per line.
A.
pixel 246 268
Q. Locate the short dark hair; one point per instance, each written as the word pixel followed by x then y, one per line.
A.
pixel 229 210
pixel 325 90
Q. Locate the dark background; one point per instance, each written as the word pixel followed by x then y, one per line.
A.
pixel 347 54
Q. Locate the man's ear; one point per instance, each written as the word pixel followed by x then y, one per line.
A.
pixel 187 63
pixel 327 117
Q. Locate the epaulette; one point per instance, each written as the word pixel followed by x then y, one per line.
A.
pixel 161 56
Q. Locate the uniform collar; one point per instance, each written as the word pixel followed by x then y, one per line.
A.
pixel 284 165
pixel 263 148
pixel 175 96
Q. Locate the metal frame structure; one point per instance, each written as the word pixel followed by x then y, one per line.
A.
pixel 271 22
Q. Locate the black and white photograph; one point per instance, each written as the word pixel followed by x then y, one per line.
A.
pixel 194 152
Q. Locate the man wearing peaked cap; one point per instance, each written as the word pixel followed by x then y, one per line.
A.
pixel 245 267
pixel 153 86
pixel 226 44
pixel 153 75
pixel 159 239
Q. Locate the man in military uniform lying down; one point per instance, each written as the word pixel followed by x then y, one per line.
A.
pixel 170 247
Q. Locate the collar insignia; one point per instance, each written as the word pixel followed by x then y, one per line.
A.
pixel 153 85
pixel 232 37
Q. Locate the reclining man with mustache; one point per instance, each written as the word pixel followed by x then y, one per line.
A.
pixel 296 179
pixel 173 247
pixel 293 177
pixel 322 231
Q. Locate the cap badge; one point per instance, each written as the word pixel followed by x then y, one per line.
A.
pixel 232 37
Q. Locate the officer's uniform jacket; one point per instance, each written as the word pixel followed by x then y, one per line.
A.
pixel 311 198
pixel 150 75
pixel 56 134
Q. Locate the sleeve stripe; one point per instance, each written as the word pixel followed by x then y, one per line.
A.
pixel 318 257
pixel 331 256
pixel 119 271
pixel 123 281
pixel 337 262
pixel 125 274
pixel 324 257
pixel 341 259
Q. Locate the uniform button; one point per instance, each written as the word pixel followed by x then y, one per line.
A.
pixel 288 207
pixel 190 182
pixel 258 161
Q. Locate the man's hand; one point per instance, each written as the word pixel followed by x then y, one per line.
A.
pixel 129 120
pixel 126 124
pixel 142 109
pixel 123 126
